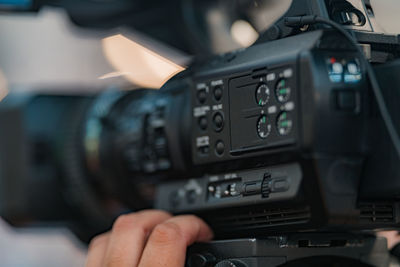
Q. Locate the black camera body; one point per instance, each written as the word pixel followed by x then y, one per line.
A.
pixel 291 161
pixel 282 137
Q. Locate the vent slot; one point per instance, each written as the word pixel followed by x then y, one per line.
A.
pixel 258 218
pixel 377 213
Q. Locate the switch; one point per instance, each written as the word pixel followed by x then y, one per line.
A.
pixel 252 188
pixel 266 185
pixel 280 185
pixel 204 150
pixel 346 100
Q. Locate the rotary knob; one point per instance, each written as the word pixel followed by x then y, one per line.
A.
pixel 230 263
pixel 262 94
pixel 201 260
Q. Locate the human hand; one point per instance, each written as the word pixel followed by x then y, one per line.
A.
pixel 392 237
pixel 146 239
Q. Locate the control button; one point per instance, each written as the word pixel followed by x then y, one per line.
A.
pixel 280 185
pixel 233 191
pixel 163 164
pixel 352 68
pixel 203 122
pixel 262 94
pixel 218 93
pixel 217 193
pixel 288 73
pixel 271 77
pixel 353 73
pixel 201 260
pixel 218 120
pixel 289 106
pixel 160 146
pixel 175 199
pixel 252 188
pixel 335 70
pixel 204 150
pixel 202 95
pixel 149 167
pixel 282 91
pixel 284 123
pixel 230 263
pixel 191 196
pixel 346 100
pixel 263 127
pixel 266 185
pixel 211 188
pixel 219 148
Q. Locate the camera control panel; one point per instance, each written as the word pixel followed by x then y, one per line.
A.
pixel 247 187
pixel 244 113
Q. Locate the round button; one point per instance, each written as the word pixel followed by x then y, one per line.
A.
pixel 202 95
pixel 219 148
pixel 203 123
pixel 218 120
pixel 218 93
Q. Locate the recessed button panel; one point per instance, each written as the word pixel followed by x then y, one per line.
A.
pixel 245 112
pixel 271 119
pixel 344 70
pixel 210 133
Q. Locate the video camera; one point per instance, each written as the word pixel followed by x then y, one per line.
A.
pixel 286 137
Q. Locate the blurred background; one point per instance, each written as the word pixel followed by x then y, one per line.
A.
pixel 85 47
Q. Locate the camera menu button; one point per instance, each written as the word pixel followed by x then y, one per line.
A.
pixel 203 123
pixel 218 120
pixel 202 96
pixel 218 93
pixel 280 185
pixel 219 148
pixel 252 188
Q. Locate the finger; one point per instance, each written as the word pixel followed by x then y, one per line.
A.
pixel 168 242
pixel 129 235
pixel 97 248
pixel 392 237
